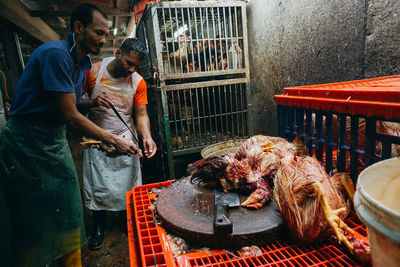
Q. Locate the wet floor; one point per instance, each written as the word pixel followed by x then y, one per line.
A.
pixel 115 251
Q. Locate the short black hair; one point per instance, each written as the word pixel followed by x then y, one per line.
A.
pixel 84 14
pixel 133 44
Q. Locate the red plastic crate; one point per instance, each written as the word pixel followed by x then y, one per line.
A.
pixel 378 97
pixel 148 243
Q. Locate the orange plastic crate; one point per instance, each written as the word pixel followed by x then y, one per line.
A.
pixel 378 97
pixel 148 243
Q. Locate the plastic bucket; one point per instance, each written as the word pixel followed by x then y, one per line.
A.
pixel 377 203
pixel 229 146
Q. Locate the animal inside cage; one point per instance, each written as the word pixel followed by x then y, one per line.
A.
pixel 202 116
pixel 188 39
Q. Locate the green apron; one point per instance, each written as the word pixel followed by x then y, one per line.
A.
pixel 40 192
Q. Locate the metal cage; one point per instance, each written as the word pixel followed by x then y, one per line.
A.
pixel 198 74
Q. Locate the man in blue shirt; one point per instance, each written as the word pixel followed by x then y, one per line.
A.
pixel 38 181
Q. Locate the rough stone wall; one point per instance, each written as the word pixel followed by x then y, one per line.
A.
pixel 300 42
pixel 382 40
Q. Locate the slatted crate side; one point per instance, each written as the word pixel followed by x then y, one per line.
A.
pixel 193 39
pixel 200 116
pixel 343 142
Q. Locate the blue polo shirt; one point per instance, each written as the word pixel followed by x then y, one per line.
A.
pixel 53 67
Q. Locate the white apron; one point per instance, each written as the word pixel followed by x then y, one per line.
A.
pixel 107 179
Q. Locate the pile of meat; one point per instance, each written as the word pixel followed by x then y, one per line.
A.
pixel 312 202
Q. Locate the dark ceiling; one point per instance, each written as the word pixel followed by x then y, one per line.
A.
pixel 55 13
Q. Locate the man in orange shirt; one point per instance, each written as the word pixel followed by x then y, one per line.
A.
pixel 107 179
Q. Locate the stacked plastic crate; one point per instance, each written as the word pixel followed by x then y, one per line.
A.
pixel 346 125
pixel 197 72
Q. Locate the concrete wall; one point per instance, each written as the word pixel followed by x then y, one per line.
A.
pixel 300 42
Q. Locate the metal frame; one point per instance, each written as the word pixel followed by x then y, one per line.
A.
pixel 187 86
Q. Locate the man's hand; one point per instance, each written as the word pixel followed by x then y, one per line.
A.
pixel 127 146
pixel 150 148
pixel 104 100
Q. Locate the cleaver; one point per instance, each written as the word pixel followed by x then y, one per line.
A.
pixel 223 202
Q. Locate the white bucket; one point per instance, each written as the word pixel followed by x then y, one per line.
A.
pixel 377 203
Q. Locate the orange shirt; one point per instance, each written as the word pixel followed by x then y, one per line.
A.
pixel 140 97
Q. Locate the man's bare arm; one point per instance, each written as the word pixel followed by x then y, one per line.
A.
pixel 143 125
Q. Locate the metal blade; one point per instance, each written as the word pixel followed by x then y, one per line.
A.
pixel 121 119
pixel 231 199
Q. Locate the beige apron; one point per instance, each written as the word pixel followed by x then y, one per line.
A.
pixel 107 179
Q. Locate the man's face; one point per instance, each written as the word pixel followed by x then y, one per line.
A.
pixel 128 63
pixel 94 35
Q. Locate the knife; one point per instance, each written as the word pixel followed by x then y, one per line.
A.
pixel 223 201
pixel 123 121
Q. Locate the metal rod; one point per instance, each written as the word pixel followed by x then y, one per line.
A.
pixel 175 118
pixel 230 24
pixel 238 110
pixel 204 114
pixel 215 40
pixel 215 111
pixel 198 115
pixel 243 105
pixel 237 35
pixel 197 40
pixel 202 36
pixel 186 46
pixel 193 122
pixel 220 39
pixel 172 37
pixel 221 112
pixel 211 68
pixel 226 38
pixel 165 41
pixel 236 24
pixel 210 114
pixel 179 40
pixel 226 112
pixel 186 116
pixel 181 119
pixel 232 114
pixel 191 40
